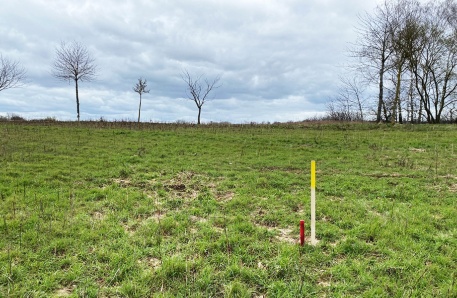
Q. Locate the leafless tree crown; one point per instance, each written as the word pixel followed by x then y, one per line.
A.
pixel 198 90
pixel 11 74
pixel 141 86
pixel 349 104
pixel 73 62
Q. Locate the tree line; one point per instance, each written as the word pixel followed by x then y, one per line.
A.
pixel 74 63
pixel 406 55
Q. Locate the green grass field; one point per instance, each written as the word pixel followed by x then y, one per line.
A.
pixel 113 210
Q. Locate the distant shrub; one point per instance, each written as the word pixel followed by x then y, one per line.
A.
pixel 15 117
pixel 50 119
pixel 182 122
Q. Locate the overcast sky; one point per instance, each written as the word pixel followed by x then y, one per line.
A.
pixel 279 60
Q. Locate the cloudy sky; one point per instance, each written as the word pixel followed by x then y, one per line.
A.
pixel 278 60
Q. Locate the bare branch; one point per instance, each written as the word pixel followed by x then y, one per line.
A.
pixel 12 75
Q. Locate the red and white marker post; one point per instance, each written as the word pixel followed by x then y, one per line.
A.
pixel 313 239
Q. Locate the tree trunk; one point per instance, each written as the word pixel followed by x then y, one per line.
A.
pixel 381 93
pixel 384 109
pixel 396 103
pixel 199 113
pixel 77 99
pixel 139 110
pixel 360 108
pixel 419 116
pixel 411 101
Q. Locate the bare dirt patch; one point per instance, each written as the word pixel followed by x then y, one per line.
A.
pixel 384 175
pixel 131 227
pixel 418 150
pixel 261 266
pixel 130 230
pixel 98 215
pixel 64 292
pixel 152 263
pixel 225 196
pixel 177 187
pixel 283 234
pixel 122 182
pixel 157 217
pixel 185 184
pixel 324 283
pixel 219 229
pixel 198 219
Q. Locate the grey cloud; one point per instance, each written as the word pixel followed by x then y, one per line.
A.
pixel 278 60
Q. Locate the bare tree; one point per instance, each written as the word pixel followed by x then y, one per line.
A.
pixel 74 63
pixel 11 74
pixel 386 39
pixel 404 33
pixel 434 63
pixel 408 41
pixel 374 50
pixel 198 90
pixel 140 88
pixel 349 103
